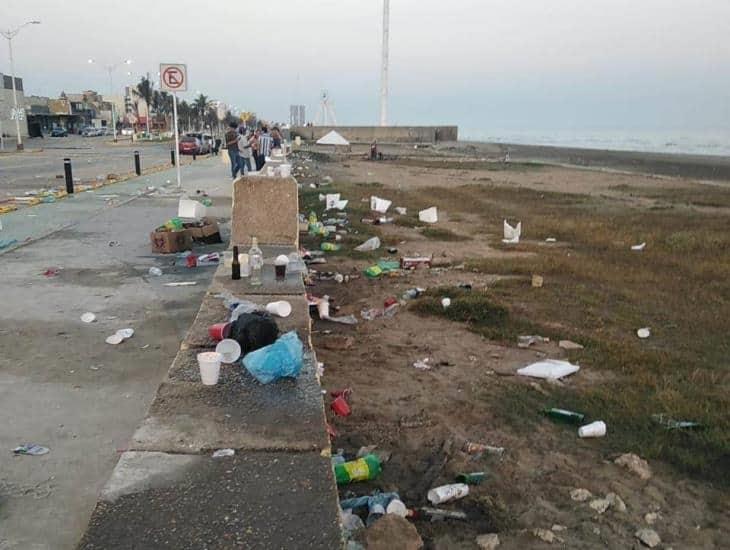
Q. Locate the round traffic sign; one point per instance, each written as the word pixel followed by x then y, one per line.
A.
pixel 173 78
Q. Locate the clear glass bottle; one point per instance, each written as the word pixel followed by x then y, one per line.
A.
pixel 256 263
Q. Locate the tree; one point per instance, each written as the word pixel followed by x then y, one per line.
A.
pixel 202 105
pixel 145 91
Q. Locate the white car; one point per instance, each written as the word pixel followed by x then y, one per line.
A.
pixel 127 131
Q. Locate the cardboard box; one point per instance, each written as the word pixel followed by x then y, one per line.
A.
pixel 207 232
pixel 167 242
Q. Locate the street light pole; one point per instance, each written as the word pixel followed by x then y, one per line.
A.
pixel 9 35
pixel 110 70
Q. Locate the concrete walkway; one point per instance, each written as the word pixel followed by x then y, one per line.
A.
pixel 61 385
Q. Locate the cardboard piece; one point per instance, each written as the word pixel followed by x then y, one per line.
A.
pixel 206 232
pixel 167 242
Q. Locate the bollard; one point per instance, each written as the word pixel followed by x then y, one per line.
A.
pixel 194 155
pixel 137 167
pixel 69 176
pixel 172 157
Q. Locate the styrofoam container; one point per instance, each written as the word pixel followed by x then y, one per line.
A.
pixel 445 493
pixel 594 429
pixel 210 367
pixel 552 369
pixel 430 215
pixel 190 209
pixel 229 349
pixel 280 309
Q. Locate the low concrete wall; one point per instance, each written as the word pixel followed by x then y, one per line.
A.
pixel 383 134
pixel 266 208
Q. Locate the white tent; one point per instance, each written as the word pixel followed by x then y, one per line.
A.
pixel 333 138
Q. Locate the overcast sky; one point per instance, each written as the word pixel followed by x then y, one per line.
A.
pixel 508 64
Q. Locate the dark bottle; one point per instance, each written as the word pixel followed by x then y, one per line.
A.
pixel 235 265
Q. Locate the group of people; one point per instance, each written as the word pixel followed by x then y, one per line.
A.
pixel 244 146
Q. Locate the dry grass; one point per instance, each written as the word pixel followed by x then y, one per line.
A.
pixel 597 291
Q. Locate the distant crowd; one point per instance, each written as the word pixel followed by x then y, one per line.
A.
pixel 244 145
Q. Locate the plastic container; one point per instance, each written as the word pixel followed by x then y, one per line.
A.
pixel 594 429
pixel 362 469
pixel 445 493
pixel 190 209
pixel 210 367
pixel 219 331
pixel 229 349
pixel 281 308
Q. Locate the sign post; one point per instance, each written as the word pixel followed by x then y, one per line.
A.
pixel 174 78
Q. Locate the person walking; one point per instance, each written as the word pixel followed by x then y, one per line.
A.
pixel 232 146
pixel 265 142
pixel 254 142
pixel 244 150
pixel 276 137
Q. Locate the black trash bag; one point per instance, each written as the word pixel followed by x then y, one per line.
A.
pixel 253 331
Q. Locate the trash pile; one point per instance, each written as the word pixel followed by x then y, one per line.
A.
pixel 190 225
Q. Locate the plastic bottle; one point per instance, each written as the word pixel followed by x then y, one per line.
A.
pixel 562 415
pixel 362 469
pixel 330 247
pixel 256 262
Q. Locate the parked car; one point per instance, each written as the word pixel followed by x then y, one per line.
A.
pixel 57 131
pixel 127 131
pixel 90 131
pixel 205 145
pixel 189 145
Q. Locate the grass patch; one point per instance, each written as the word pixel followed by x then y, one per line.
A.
pixel 440 234
pixel 467 164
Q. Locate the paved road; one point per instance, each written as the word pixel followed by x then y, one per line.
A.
pixel 91 158
pixel 61 385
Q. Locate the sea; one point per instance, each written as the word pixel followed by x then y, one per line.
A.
pixel 709 142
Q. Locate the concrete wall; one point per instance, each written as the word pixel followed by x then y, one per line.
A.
pixel 383 134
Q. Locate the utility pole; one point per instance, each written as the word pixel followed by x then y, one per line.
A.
pixel 9 35
pixel 384 65
pixel 110 70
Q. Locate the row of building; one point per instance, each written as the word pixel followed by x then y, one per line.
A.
pixel 72 111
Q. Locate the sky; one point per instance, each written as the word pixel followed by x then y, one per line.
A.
pixel 491 65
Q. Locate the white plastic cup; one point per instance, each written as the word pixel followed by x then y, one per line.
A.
pixel 594 429
pixel 280 309
pixel 445 493
pixel 210 367
pixel 229 349
pixel 397 507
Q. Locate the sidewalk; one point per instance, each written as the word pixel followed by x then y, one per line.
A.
pixel 61 385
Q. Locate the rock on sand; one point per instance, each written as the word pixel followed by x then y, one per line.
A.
pixel 392 531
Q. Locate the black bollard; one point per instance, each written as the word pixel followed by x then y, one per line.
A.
pixel 69 176
pixel 172 157
pixel 137 167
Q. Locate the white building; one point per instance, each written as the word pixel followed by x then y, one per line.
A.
pixel 7 124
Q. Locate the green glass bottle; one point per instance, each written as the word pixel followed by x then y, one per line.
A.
pixel 562 415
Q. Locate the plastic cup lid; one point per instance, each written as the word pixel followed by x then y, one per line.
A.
pixel 125 332
pixel 281 260
pixel 115 339
pixel 88 317
pixel 229 349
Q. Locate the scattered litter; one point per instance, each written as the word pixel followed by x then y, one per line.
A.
pixel 635 464
pixel 5 243
pixel 397 507
pixel 370 314
pixel 565 416
pixel 594 429
pixel 648 537
pixel 430 215
pixel 413 293
pixel 580 495
pixel 550 369
pixel 446 303
pixel 402 211
pixel 155 271
pixel 184 283
pixel 51 272
pixel 413 262
pixel 437 514
pixel 643 333
pixel 281 359
pixel 379 205
pixel 339 405
pixel 569 346
pixel 88 317
pixel 600 505
pixel 537 281
pixel 544 535
pixel 221 453
pixel 31 449
pixel 651 518
pixel 512 234
pixel 527 341
pixel 114 339
pixel 551 240
pixel 446 493
pixel 362 469
pixel 369 245
pixel 229 349
pixel 422 364
pixel 114 243
pixel 478 449
pixel 126 332
pixel 672 424
pixel 473 478
pixel 638 247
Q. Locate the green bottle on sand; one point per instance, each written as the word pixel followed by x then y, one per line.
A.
pixel 362 469
pixel 561 415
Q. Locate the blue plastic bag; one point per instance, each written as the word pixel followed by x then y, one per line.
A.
pixel 281 359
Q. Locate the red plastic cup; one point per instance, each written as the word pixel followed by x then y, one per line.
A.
pixel 219 331
pixel 340 407
pixel 389 302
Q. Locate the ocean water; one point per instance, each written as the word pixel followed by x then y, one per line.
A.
pixel 714 142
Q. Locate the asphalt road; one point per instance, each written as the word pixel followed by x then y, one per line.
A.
pixel 91 158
